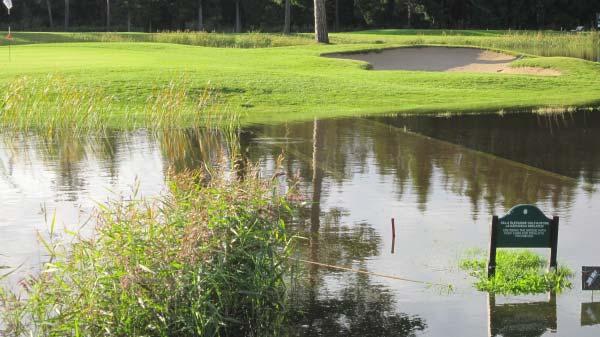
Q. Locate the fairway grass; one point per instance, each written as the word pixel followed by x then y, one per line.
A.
pixel 292 83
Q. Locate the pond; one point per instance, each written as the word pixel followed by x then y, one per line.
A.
pixel 441 178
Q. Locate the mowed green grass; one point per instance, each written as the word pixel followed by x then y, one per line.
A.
pixel 296 83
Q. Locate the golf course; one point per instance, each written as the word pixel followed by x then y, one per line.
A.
pixel 299 168
pixel 264 78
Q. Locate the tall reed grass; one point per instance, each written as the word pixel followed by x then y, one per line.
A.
pixel 543 43
pixel 206 39
pixel 208 258
pixel 54 103
pixel 581 45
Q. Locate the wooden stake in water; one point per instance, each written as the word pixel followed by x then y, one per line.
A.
pixel 393 235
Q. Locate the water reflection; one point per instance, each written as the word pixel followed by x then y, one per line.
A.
pixel 358 309
pixel 563 143
pixel 347 145
pixel 590 314
pixel 531 319
pixel 441 178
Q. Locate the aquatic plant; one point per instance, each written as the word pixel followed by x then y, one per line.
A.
pixel 517 272
pixel 208 258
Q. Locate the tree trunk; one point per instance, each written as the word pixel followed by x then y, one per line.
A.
pixel 317 178
pixel 287 22
pixel 238 19
pixel 321 34
pixel 200 16
pixel 337 16
pixel 540 14
pixel 128 19
pixel 408 14
pixel 66 14
pixel 50 20
pixel 107 15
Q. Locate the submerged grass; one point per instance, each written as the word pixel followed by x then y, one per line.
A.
pixel 517 272
pixel 208 258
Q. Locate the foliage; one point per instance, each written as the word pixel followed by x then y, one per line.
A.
pixel 206 259
pixel 267 15
pixel 517 272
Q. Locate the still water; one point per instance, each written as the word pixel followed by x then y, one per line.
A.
pixel 441 178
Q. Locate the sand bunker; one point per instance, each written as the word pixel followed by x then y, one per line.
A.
pixel 444 59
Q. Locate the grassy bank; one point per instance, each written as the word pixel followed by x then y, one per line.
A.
pixel 294 82
pixel 206 259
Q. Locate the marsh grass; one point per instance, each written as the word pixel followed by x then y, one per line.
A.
pixel 542 43
pixel 517 272
pixel 55 102
pixel 205 39
pixel 208 258
pixel 584 45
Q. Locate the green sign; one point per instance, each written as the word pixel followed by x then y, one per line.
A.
pixel 524 226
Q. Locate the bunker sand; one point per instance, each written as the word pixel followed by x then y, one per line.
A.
pixel 444 59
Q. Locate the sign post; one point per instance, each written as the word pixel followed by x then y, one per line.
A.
pixel 525 226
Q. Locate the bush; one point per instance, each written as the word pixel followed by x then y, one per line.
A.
pixel 208 258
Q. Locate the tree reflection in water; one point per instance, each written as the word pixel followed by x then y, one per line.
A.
pixel 360 308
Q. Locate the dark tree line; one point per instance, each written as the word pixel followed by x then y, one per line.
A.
pixel 298 15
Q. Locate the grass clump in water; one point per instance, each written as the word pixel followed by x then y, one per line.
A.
pixel 207 259
pixel 517 272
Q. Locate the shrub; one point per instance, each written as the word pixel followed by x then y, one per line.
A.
pixel 208 258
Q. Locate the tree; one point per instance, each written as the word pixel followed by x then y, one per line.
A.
pixel 238 19
pixel 409 11
pixel 287 21
pixel 336 22
pixel 321 34
pixel 49 8
pixel 200 16
pixel 66 14
pixel 107 15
